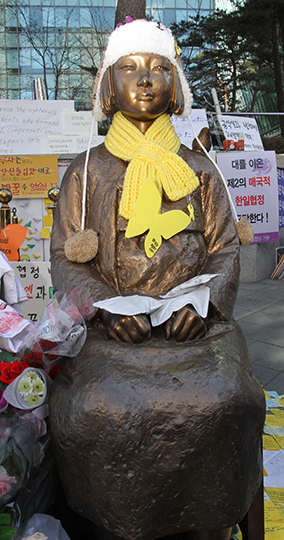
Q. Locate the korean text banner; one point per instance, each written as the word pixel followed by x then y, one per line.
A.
pixel 28 176
pixel 252 180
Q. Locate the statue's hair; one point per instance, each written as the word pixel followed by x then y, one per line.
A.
pixel 108 101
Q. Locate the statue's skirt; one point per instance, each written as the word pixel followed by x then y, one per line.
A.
pixel 159 438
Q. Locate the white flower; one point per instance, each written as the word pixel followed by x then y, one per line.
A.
pixel 36 536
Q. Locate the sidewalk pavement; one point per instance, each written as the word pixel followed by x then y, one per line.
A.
pixel 259 310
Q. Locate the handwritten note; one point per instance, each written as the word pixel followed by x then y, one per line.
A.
pixel 244 128
pixel 74 123
pixel 183 126
pixel 58 144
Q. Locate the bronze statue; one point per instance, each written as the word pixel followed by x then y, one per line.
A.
pixel 157 431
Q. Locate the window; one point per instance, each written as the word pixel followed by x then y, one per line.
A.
pixel 12 59
pixel 48 17
pixel 109 16
pixel 35 17
pixel 60 17
pixel 72 17
pixel 170 16
pixel 181 15
pixel 25 60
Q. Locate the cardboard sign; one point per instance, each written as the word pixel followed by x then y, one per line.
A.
pixel 28 176
pixel 183 127
pixel 252 180
pixel 241 127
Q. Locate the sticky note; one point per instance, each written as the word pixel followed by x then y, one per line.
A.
pixel 48 221
pixel 269 443
pixel 273 420
pixel 45 233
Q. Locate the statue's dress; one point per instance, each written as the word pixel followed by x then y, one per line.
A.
pixel 156 438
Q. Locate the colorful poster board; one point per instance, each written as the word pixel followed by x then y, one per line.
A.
pixel 28 176
pixel 252 181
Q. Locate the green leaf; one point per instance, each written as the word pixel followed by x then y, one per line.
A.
pixel 6 356
pixel 6 533
pixel 5 519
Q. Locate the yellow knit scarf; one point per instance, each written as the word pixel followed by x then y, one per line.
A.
pixel 153 155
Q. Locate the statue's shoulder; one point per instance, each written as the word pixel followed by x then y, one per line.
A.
pixel 198 162
pixel 99 160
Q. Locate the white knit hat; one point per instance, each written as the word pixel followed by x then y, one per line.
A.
pixel 140 36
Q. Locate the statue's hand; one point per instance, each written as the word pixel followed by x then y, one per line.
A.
pixel 132 329
pixel 185 325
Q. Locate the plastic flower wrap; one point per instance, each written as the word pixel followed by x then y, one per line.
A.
pixel 60 331
pixel 29 390
pixel 6 481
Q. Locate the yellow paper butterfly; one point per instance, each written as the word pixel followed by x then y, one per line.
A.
pixel 147 217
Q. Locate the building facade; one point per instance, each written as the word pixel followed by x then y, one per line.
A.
pixel 62 42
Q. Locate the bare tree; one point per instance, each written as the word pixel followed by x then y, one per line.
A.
pixel 134 8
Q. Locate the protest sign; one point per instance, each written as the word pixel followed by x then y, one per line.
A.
pixel 252 181
pixel 24 121
pixel 36 280
pixel 241 128
pixel 183 127
pixel 28 176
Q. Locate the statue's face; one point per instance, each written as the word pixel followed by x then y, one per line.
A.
pixel 142 85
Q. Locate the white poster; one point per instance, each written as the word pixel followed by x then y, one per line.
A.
pixel 183 126
pixel 252 180
pixel 237 128
pixel 36 279
pixel 23 122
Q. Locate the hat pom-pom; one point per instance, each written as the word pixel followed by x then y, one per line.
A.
pixel 82 247
pixel 245 231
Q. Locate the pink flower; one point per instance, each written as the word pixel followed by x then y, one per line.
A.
pixel 6 481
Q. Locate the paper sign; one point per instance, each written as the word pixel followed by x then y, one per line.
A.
pixel 272 420
pixel 74 123
pixel 28 176
pixel 24 121
pixel 36 280
pixel 236 128
pixel 252 181
pixel 147 217
pixel 83 141
pixel 277 497
pixel 11 238
pixel 58 144
pixel 183 126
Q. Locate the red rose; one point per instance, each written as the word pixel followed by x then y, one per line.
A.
pixel 9 372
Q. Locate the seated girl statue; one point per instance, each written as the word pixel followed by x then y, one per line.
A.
pixel 157 423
